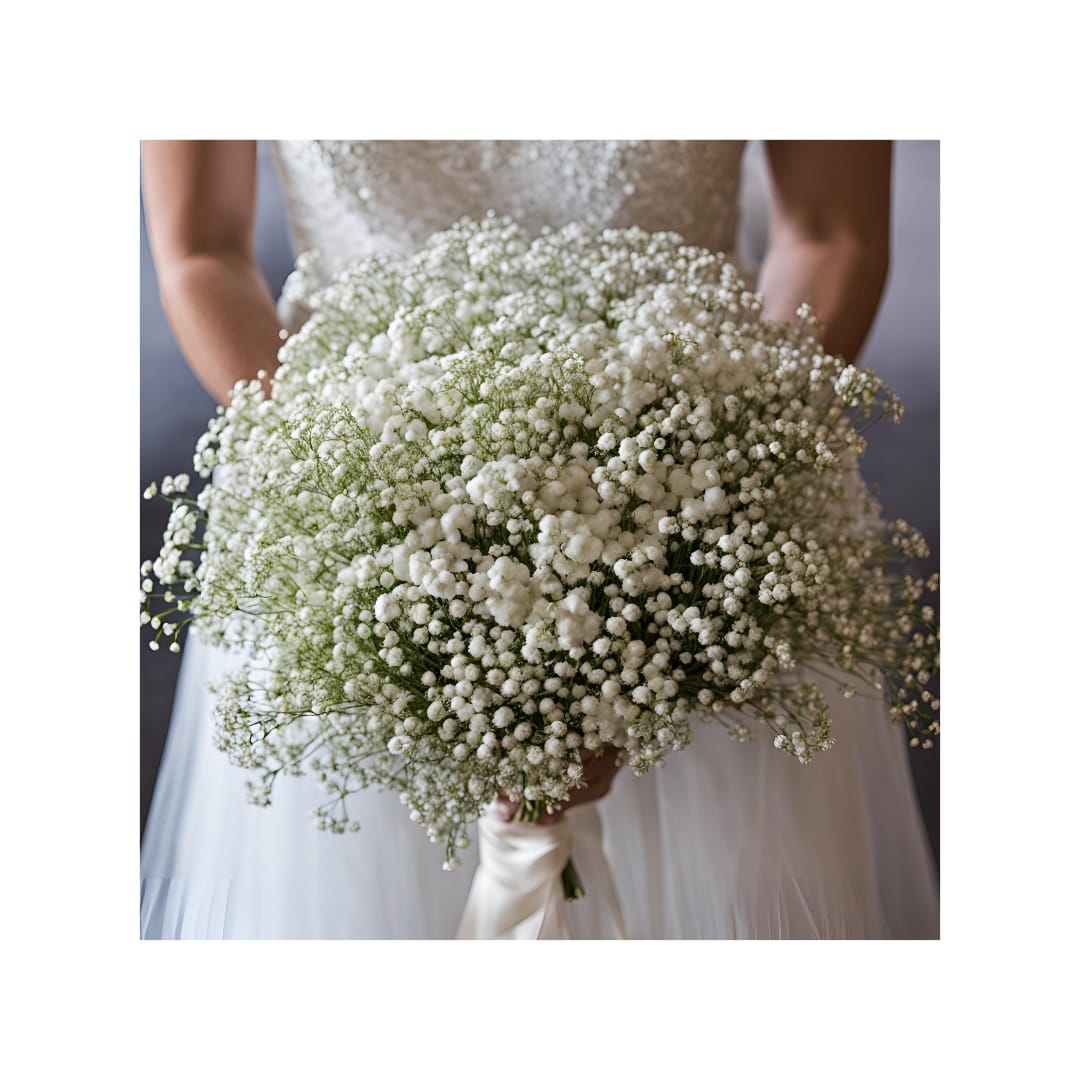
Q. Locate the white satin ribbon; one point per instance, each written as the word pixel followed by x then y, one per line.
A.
pixel 517 892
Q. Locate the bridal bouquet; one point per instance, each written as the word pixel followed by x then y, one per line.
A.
pixel 515 499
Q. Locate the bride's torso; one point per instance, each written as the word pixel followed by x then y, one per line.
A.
pixel 353 199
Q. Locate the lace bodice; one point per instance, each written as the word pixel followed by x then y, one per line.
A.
pixel 352 199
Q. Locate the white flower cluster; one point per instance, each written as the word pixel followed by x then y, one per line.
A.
pixel 511 499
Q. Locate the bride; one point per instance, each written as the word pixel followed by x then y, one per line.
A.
pixel 725 841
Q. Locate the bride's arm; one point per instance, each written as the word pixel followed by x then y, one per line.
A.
pixel 199 199
pixel 828 235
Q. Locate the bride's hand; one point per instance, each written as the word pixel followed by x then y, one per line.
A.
pixel 599 775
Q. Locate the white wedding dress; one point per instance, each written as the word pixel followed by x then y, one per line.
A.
pixel 726 840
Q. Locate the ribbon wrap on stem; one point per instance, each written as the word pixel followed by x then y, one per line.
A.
pixel 517 892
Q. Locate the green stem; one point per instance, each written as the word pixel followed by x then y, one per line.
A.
pixel 571 883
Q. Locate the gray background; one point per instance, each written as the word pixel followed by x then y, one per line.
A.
pixel 903 346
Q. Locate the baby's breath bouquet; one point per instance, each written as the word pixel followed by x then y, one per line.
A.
pixel 511 499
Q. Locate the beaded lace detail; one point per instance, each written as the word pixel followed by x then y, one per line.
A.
pixel 353 199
